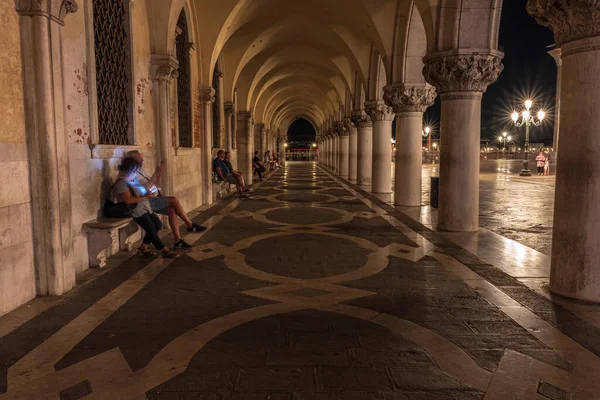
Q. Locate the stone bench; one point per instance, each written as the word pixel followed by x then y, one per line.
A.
pixel 107 236
pixel 221 188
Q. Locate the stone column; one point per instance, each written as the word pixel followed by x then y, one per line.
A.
pixel 461 79
pixel 336 151
pixel 164 69
pixel 246 144
pixel 382 117
pixel 364 159
pixel 282 141
pixel 263 139
pixel 556 54
pixel 207 97
pixel 47 147
pixel 229 133
pixel 575 265
pixel 352 150
pixel 409 104
pixel 344 149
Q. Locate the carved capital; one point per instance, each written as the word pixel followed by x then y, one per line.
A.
pixel 404 98
pixel 462 73
pixel 229 109
pixel 361 120
pixel 569 19
pixel 53 10
pixel 349 125
pixel 164 67
pixel 341 129
pixel 207 94
pixel 378 111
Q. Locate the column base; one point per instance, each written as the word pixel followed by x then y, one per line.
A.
pixel 385 197
pixel 525 172
pixel 353 181
pixel 345 177
pixel 592 297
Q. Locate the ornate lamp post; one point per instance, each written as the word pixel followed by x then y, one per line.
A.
pixel 427 133
pixel 504 139
pixel 527 120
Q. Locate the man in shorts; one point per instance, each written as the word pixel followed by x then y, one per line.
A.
pixel 165 205
pixel 225 174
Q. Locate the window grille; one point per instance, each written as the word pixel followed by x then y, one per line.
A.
pixel 184 104
pixel 111 38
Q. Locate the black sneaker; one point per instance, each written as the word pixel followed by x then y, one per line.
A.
pixel 247 191
pixel 196 228
pixel 181 244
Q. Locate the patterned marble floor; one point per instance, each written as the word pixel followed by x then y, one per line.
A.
pixel 311 289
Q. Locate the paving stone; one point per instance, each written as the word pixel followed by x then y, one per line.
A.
pixel 549 357
pixel 497 328
pixel 552 392
pixel 423 379
pixel 354 378
pixel 531 300
pixel 307 357
pixel 200 380
pixel 276 379
pixel 183 396
pixel 499 342
pixel 470 314
pixel 338 396
pixel 257 396
pixel 487 359
pixel 443 395
pixel 463 302
pixel 323 340
pixel 391 358
pixel 448 327
pixel 494 275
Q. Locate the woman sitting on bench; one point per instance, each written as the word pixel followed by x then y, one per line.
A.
pixel 142 213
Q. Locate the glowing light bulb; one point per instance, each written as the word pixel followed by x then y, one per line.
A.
pixel 515 116
pixel 509 138
pixel 526 114
pixel 499 138
pixel 541 115
pixel 427 130
pixel 504 134
pixel 528 104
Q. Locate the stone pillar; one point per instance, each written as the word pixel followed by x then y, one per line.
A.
pixel 282 141
pixel 409 103
pixel 47 147
pixel 556 54
pixel 164 69
pixel 344 149
pixel 364 159
pixel 207 97
pixel 246 144
pixel 575 265
pixel 382 117
pixel 262 132
pixel 229 133
pixel 221 103
pixel 353 151
pixel 461 79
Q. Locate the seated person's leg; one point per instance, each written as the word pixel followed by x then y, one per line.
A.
pixel 176 205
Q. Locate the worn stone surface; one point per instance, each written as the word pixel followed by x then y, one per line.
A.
pixel 268 305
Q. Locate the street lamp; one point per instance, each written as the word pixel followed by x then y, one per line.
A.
pixel 527 120
pixel 505 138
pixel 427 133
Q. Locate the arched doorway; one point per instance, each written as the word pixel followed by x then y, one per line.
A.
pixel 301 141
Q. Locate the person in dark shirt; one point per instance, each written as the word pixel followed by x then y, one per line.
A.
pixel 226 174
pixel 258 165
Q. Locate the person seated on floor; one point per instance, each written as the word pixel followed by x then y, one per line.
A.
pixel 125 192
pixel 165 205
pixel 258 165
pixel 227 175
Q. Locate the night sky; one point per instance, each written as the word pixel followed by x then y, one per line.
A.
pixel 529 71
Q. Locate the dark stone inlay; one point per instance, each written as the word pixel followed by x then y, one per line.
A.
pixel 552 392
pixel 77 391
pixel 306 256
pixel 302 197
pixel 303 215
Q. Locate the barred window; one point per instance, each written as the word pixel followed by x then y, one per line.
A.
pixel 113 71
pixel 184 104
pixel 215 114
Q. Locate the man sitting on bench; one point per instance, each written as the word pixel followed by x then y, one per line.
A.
pixel 226 175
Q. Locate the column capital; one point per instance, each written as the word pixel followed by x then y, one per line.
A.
pixel 247 116
pixel 260 127
pixel 556 53
pixel 349 125
pixel 207 94
pixel 229 109
pixel 569 20
pixel 53 10
pixel 163 67
pixel 379 111
pixel 361 119
pixel 405 98
pixel 341 129
pixel 451 72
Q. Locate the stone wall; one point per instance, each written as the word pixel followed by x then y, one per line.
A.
pixel 17 277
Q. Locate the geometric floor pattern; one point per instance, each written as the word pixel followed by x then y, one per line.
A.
pixel 311 289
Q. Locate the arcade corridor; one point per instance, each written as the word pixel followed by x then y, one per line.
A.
pixel 311 289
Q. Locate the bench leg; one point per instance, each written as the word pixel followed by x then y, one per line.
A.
pixel 99 247
pixel 126 238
